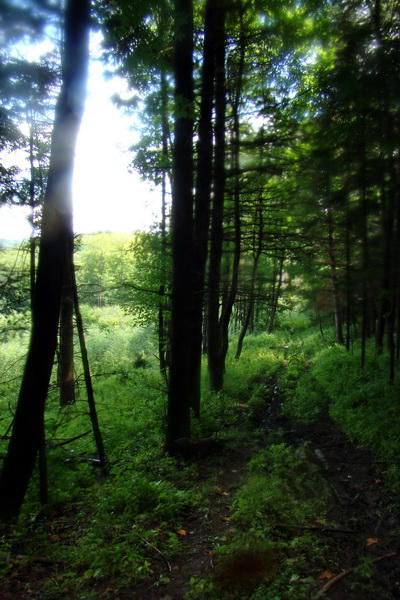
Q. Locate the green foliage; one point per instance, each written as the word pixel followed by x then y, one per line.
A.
pixel 261 359
pixel 265 558
pixel 363 403
pixel 131 514
pixel 290 319
pixel 12 359
pixel 284 489
pixel 124 270
pixel 14 280
pixel 102 261
pixel 150 272
pixel 115 342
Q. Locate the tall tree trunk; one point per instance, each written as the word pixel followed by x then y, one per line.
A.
pixel 42 452
pixel 180 374
pixel 203 195
pixel 389 183
pixel 218 320
pixel 385 308
pixel 227 305
pixel 32 199
pixel 215 364
pixel 162 325
pixel 365 324
pixel 56 232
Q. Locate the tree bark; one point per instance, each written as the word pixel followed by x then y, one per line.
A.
pixel 180 385
pixel 203 194
pixel 215 362
pixel 162 322
pixel 56 232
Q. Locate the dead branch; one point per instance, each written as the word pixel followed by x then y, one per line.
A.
pixel 332 582
pixel 151 545
pixel 64 442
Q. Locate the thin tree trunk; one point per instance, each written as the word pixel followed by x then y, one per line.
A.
pixel 162 325
pixel 320 325
pixel 32 241
pixel 334 281
pixel 227 306
pixel 42 453
pixel 365 325
pixel 56 232
pixel 348 278
pixel 215 364
pixel 250 308
pixel 98 438
pixel 385 308
pixel 277 285
pixel 203 195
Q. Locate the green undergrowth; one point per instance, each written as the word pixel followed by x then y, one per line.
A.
pixel 116 530
pixel 271 555
pixel 261 359
pixel 328 380
pixel 120 527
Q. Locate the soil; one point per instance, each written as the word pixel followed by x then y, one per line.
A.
pixel 363 510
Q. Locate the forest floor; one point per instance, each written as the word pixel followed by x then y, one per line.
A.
pixel 363 510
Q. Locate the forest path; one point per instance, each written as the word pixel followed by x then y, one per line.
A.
pixel 362 523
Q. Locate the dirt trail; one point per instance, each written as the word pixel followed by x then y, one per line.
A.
pixel 363 511
pixel 362 523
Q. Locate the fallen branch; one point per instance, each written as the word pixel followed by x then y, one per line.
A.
pixel 151 545
pixel 341 576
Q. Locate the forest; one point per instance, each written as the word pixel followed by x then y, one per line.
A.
pixel 208 409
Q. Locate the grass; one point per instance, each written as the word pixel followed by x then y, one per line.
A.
pixel 317 381
pixel 107 527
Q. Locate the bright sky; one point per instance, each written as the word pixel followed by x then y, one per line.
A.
pixel 106 196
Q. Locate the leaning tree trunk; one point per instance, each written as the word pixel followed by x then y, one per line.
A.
pixel 98 438
pixel 56 233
